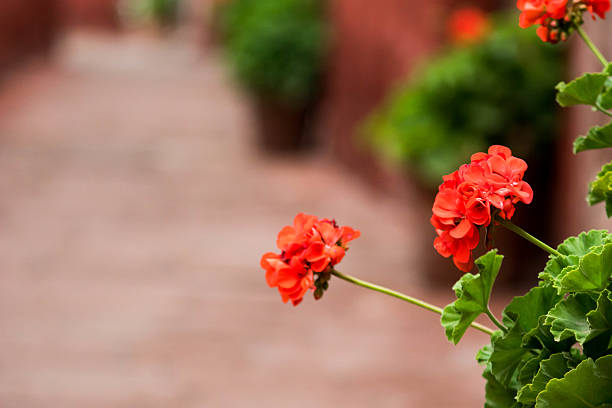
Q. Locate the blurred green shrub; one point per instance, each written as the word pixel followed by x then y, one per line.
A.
pixel 498 91
pixel 276 47
pixel 162 12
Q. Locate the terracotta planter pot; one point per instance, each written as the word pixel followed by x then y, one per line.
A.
pixel 281 127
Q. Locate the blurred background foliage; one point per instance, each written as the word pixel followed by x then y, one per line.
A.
pixel 499 90
pixel 276 47
pixel 163 13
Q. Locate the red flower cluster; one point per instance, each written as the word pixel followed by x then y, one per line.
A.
pixel 492 183
pixel 467 25
pixel 309 246
pixel 557 18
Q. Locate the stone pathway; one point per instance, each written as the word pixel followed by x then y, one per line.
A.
pixel 133 213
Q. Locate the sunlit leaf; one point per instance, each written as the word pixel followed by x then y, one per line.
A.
pixel 598 137
pixel 572 249
pixel 582 90
pixel 473 292
pixel 591 275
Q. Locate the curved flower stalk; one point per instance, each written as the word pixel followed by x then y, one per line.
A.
pixel 310 249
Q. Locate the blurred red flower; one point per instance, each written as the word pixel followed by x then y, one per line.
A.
pixel 309 246
pixel 467 25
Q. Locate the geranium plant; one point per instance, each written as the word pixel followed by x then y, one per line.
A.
pixel 552 347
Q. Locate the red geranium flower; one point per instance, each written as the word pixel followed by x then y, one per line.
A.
pixel 309 247
pixel 599 7
pixel 492 183
pixel 558 18
pixel 291 278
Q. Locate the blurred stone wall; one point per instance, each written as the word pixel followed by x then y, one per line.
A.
pixel 27 27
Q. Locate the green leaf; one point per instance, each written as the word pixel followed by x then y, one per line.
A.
pixel 598 137
pixel 591 275
pixel 473 292
pixel 508 357
pixel 525 311
pixel 583 90
pixel 600 319
pixel 554 367
pixel 521 316
pixel 599 339
pixel 572 249
pixel 496 395
pixel 528 371
pixel 586 386
pixel 604 99
pixel 541 337
pixel 601 189
pixel 568 318
pixel 584 242
pixel 484 354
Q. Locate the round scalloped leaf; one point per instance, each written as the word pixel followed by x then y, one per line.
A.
pixel 568 319
pixel 591 275
pixel 554 367
pixel 573 248
pixel 583 243
pixel 583 90
pixel 588 385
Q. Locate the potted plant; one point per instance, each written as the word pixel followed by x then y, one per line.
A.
pixel 277 50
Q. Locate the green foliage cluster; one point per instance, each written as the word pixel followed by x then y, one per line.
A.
pixel 276 47
pixel 554 346
pixel 595 90
pixel 499 91
pixel 163 11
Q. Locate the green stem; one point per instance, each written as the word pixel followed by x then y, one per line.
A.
pixel 495 321
pixel 524 234
pixel 602 110
pixel 403 297
pixel 592 46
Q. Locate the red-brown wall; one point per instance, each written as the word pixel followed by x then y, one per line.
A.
pixel 98 13
pixel 26 27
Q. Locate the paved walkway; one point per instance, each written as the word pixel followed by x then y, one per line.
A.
pixel 133 214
